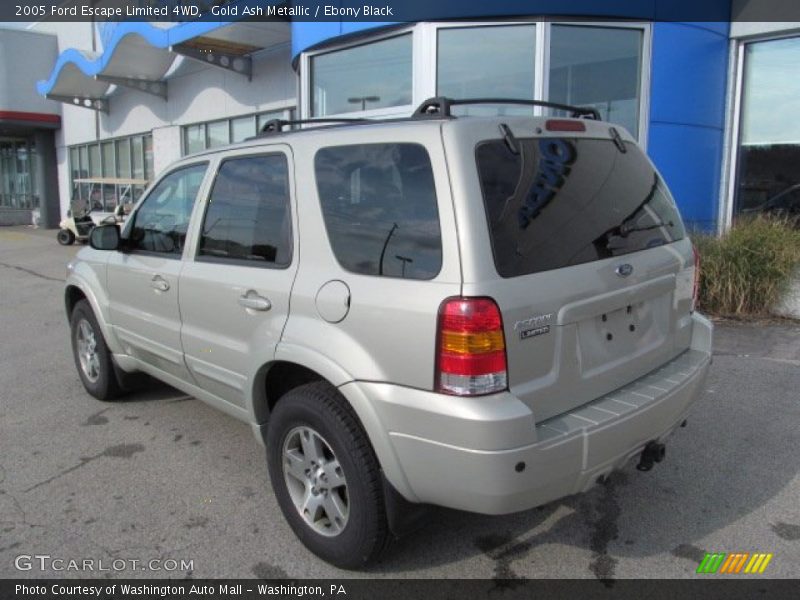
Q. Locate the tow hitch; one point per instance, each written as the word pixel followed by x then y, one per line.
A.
pixel 653 453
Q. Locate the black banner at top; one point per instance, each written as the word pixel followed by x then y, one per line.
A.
pixel 395 11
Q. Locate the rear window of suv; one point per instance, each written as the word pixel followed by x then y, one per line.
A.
pixel 558 202
pixel 380 210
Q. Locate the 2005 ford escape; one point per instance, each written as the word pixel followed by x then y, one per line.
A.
pixel 483 313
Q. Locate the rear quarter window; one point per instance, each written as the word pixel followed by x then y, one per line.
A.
pixel 380 209
pixel 565 201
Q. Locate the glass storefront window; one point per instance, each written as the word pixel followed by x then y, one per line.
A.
pixel 74 163
pixel 23 172
pixel 599 67
pixel 147 144
pixel 588 63
pixel 375 75
pixel 138 158
pixel 218 134
pixel 95 165
pixel 84 153
pixel 124 158
pixel 768 179
pixel 34 166
pixel 8 169
pixel 109 163
pixel 242 128
pixel 18 160
pixel 212 134
pixel 108 192
pixel 194 138
pixel 501 66
pixel 80 191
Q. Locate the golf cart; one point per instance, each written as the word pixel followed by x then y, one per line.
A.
pixel 95 201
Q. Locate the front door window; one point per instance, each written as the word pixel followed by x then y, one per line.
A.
pixel 161 222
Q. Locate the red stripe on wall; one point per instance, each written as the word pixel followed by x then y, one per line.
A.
pixel 14 115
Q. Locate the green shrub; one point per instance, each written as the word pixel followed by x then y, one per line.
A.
pixel 744 272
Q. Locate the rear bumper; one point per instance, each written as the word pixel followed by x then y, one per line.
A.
pixel 469 453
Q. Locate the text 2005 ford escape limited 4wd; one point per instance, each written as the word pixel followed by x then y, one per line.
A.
pixel 483 313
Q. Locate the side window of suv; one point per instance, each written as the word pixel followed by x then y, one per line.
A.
pixel 380 210
pixel 161 223
pixel 248 216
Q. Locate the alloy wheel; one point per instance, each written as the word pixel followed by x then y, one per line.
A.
pixel 87 351
pixel 315 481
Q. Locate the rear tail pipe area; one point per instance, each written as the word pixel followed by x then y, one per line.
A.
pixel 653 452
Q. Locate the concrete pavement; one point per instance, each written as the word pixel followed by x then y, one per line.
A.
pixel 162 476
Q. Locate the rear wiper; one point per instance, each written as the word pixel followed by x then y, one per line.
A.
pixel 625 230
pixel 509 139
pixel 617 139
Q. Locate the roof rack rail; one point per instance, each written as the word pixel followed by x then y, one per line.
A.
pixel 277 125
pixel 439 106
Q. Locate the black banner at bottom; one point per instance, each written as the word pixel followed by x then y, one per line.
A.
pixel 386 589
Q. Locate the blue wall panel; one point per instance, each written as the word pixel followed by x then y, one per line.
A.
pixel 689 158
pixel 308 34
pixel 687 114
pixel 689 74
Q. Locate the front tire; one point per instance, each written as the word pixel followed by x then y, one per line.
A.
pixel 326 476
pixel 65 237
pixel 92 357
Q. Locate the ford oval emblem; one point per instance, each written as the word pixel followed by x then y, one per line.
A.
pixel 624 270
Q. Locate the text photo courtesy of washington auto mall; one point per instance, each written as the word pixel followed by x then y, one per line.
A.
pixel 400 299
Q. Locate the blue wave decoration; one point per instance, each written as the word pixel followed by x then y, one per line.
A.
pixel 113 33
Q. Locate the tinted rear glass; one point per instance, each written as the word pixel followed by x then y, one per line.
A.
pixel 566 201
pixel 379 205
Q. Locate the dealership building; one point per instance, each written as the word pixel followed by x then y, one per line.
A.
pixel 715 104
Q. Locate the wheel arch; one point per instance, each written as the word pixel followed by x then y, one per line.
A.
pixel 72 295
pixel 78 289
pixel 297 364
pixel 323 369
pixel 273 380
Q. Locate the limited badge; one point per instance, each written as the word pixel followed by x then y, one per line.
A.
pixel 533 332
pixel 533 326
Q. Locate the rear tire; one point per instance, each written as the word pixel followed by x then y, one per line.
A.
pixel 326 477
pixel 92 357
pixel 65 237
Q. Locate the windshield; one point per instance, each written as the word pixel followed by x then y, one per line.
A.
pixel 556 202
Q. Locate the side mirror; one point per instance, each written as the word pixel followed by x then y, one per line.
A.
pixel 104 237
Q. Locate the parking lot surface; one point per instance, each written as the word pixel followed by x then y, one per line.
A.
pixel 161 476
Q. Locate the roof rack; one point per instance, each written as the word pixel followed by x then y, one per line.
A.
pixel 432 108
pixel 439 106
pixel 276 125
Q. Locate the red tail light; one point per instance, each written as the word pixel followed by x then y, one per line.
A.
pixel 471 348
pixel 696 288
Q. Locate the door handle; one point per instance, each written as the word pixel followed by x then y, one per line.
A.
pixel 253 301
pixel 159 283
